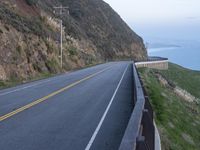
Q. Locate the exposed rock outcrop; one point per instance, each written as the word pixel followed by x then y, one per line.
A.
pixel 183 94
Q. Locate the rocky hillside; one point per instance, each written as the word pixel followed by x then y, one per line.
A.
pixel 29 37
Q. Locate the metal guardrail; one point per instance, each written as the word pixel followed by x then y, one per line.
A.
pixel 159 63
pixel 153 58
pixel 156 58
pixel 140 132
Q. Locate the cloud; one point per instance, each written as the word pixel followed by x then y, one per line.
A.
pixel 146 11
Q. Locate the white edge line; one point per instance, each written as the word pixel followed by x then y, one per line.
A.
pixel 32 85
pixel 19 89
pixel 105 113
pixel 29 86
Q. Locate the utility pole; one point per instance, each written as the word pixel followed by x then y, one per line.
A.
pixel 61 11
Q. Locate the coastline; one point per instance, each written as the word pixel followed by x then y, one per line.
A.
pixel 185 56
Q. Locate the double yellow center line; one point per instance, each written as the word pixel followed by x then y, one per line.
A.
pixel 48 96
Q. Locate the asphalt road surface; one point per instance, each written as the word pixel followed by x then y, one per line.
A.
pixel 82 110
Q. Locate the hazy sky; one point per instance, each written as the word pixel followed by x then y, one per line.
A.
pixel 151 17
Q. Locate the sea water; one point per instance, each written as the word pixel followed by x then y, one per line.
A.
pixel 184 53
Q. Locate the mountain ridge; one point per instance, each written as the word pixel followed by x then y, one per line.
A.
pixel 93 33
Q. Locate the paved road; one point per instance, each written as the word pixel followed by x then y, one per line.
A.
pixel 81 110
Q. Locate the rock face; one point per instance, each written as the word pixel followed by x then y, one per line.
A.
pixel 93 32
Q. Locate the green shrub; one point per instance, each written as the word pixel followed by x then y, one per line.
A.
pixel 52 65
pixel 19 49
pixel 50 47
pixel 1 31
pixel 7 28
pixel 2 83
pixel 37 67
pixel 72 51
pixel 31 2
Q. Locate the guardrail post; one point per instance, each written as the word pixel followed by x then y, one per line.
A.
pixel 148 130
pixel 141 145
pixel 149 107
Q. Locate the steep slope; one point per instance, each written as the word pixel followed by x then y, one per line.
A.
pixel 177 118
pixel 93 33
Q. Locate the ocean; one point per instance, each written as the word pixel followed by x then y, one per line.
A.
pixel 185 53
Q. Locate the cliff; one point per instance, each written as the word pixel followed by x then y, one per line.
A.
pixel 93 33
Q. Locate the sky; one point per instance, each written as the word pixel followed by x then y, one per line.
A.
pixel 161 18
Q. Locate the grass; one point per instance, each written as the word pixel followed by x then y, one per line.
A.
pixel 184 78
pixel 9 83
pixel 178 124
pixel 14 81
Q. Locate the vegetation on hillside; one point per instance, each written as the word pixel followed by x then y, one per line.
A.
pixel 16 81
pixel 31 2
pixel 30 37
pixel 185 78
pixel 178 120
pixel 23 24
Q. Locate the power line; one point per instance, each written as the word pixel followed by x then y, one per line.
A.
pixel 61 11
